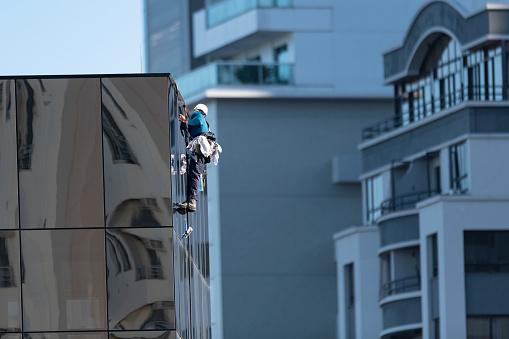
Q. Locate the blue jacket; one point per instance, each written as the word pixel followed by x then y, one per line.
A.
pixel 197 124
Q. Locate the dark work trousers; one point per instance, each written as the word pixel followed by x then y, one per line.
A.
pixel 196 167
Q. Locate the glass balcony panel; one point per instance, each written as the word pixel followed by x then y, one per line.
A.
pixel 140 278
pixel 64 280
pixel 401 312
pixel 8 170
pixel 230 73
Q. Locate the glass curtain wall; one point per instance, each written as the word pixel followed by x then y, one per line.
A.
pixel 88 246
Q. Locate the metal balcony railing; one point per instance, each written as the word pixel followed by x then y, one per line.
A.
pixel 234 73
pixel 405 201
pixel 152 272
pixel 428 108
pixel 229 9
pixel 402 285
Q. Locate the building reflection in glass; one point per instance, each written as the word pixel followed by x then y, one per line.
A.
pixel 140 278
pixel 10 311
pixel 59 153
pixel 10 335
pixel 66 335
pixel 143 335
pixel 64 283
pixel 136 152
pixel 8 170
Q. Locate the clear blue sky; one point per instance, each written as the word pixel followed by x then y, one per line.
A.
pixel 70 36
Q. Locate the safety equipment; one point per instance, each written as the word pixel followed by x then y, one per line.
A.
pixel 202 107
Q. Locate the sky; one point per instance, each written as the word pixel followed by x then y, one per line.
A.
pixel 71 37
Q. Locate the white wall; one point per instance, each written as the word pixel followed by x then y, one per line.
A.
pixel 449 216
pixel 489 165
pixel 359 245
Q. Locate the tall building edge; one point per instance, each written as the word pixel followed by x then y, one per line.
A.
pixel 90 243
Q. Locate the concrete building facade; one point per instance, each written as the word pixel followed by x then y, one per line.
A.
pixel 430 259
pixel 290 86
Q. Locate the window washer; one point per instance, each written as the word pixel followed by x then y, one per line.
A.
pixel 203 148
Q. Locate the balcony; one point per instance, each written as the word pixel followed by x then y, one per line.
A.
pixel 429 108
pixel 234 74
pixel 234 26
pixel 151 272
pixel 405 201
pixel 226 10
pixel 408 284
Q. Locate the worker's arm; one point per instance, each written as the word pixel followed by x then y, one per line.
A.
pixel 182 118
pixel 195 119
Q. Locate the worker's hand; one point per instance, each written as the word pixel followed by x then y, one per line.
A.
pixel 182 118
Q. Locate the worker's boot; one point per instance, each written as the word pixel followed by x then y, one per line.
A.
pixel 191 205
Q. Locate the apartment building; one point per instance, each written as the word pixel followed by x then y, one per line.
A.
pixel 290 84
pixel 430 259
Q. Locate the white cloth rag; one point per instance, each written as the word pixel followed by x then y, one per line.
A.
pixel 206 146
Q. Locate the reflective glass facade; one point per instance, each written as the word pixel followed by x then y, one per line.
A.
pixel 90 245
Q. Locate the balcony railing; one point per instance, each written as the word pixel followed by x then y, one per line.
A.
pixel 405 201
pixel 475 93
pixel 226 10
pixel 402 285
pixel 231 73
pixel 152 272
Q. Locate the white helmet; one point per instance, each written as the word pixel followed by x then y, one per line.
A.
pixel 202 107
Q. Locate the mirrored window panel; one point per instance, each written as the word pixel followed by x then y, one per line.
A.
pixel 136 152
pixel 182 287
pixel 10 282
pixel 8 169
pixel 140 278
pixel 143 335
pixel 10 335
pixel 64 280
pixel 59 153
pixel 66 335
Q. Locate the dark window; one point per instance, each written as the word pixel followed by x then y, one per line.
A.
pixel 486 251
pixel 350 300
pixel 374 197
pixel 458 168
pixel 282 58
pixel 487 327
pixel 434 255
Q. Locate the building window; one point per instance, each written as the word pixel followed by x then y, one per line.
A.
pixel 434 255
pixel 350 301
pixel 458 168
pixel 282 58
pixel 448 77
pixel 374 198
pixel 487 327
pixel 486 251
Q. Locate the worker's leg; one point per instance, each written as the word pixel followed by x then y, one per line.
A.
pixel 196 168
